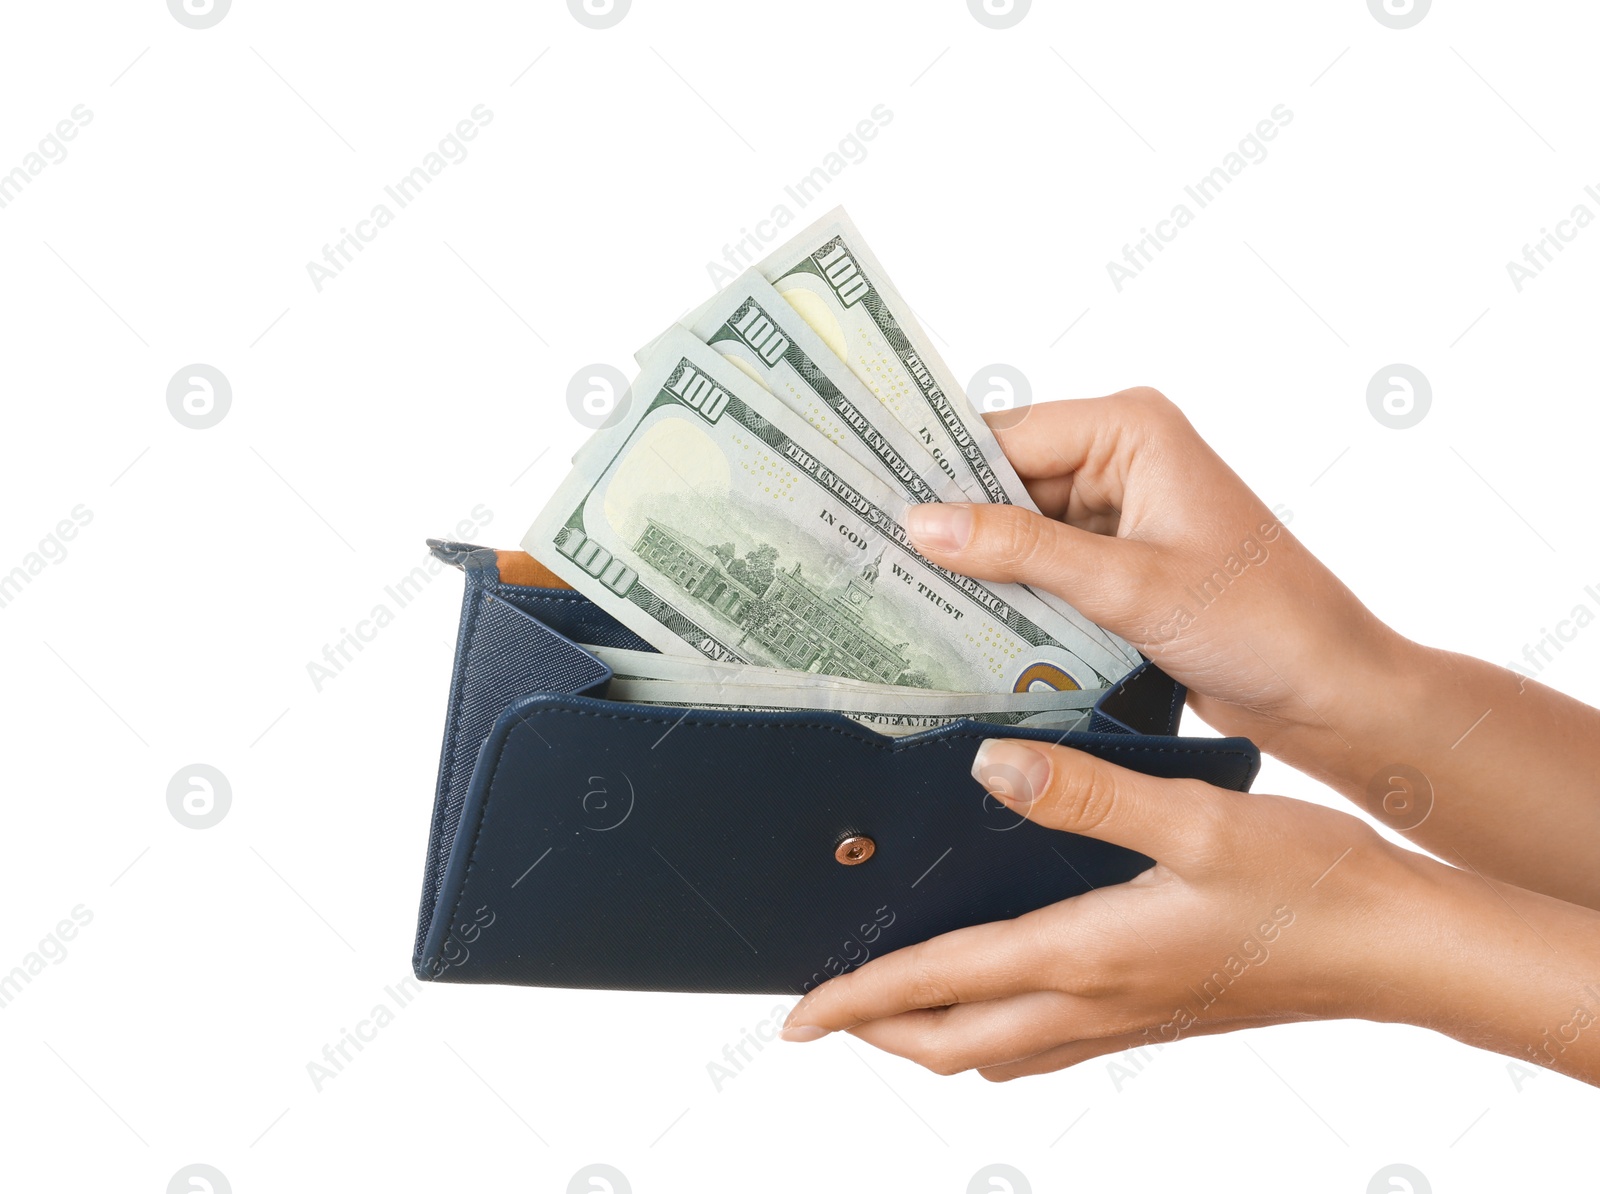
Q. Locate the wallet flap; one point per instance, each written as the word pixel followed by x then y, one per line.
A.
pixel 502 653
pixel 618 846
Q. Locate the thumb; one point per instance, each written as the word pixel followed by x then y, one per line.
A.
pixel 1100 575
pixel 1056 786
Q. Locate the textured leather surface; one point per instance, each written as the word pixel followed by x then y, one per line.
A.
pixel 581 842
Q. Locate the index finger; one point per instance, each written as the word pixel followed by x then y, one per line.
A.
pixel 1069 435
pixel 979 962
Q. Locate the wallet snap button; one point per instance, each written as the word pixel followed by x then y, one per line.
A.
pixel 854 850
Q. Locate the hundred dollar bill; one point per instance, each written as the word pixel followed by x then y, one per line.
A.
pixel 829 275
pixel 654 665
pixel 840 289
pixel 749 323
pixel 832 278
pixel 704 678
pixel 713 521
pixel 895 715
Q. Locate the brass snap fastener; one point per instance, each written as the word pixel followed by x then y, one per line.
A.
pixel 854 850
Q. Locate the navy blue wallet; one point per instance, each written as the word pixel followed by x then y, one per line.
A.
pixel 589 843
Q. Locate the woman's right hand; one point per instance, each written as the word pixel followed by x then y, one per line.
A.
pixel 1151 535
pixel 1147 532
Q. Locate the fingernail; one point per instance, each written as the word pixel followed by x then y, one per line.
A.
pixel 943 526
pixel 803 1032
pixel 1014 771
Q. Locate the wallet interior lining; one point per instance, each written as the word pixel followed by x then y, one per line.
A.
pixel 519 568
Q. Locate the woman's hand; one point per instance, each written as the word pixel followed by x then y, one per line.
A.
pixel 1260 910
pixel 1151 535
pixel 1256 905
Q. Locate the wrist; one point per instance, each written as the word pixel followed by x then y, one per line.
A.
pixel 1340 731
pixel 1486 963
pixel 1398 923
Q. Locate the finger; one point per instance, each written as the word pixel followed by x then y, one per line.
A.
pixel 968 1035
pixel 1052 439
pixel 986 961
pixel 1073 1053
pixel 1077 501
pixel 1096 573
pixel 1173 820
pixel 1032 1033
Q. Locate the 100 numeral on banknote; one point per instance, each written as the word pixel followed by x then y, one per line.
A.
pixel 714 521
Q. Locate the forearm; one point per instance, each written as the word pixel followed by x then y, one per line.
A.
pixel 1495 967
pixel 1492 772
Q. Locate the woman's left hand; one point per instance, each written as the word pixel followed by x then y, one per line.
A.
pixel 1259 910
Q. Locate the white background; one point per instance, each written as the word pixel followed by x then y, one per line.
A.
pixel 429 377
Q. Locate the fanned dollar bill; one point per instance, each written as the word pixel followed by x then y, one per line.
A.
pixel 831 278
pixel 713 521
pixel 749 323
pixel 827 273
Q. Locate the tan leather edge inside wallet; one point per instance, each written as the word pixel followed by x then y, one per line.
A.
pixel 519 568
